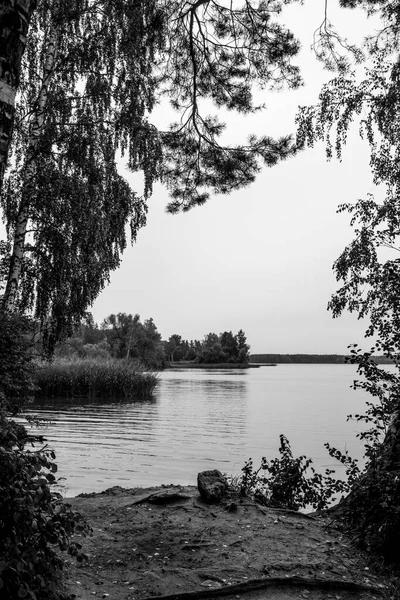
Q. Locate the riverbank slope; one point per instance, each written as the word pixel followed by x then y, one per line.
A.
pixel 167 542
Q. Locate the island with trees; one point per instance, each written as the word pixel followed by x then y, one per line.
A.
pixel 119 358
pixel 125 336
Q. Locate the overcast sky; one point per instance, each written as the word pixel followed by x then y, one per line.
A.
pixel 259 259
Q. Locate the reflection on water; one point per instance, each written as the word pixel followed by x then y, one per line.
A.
pixel 199 420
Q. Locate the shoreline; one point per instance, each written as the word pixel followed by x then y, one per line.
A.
pixel 165 542
pixel 186 365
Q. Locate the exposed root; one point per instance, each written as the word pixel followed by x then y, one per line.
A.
pixel 260 584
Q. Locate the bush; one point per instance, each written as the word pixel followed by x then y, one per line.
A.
pixel 94 377
pixel 33 520
pixel 372 509
pixel 16 383
pixel 289 482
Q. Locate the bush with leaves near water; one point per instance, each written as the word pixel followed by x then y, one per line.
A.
pixel 370 506
pixel 34 522
pixel 94 377
pixel 291 482
pixel 372 509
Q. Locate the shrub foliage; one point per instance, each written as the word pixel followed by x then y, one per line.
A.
pixel 34 522
pixel 290 482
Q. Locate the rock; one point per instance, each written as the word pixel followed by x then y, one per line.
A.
pixel 211 485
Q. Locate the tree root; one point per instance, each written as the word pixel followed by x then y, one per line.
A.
pixel 162 497
pixel 260 584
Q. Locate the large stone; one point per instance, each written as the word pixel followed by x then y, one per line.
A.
pixel 211 485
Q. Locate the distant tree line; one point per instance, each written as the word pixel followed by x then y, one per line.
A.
pixel 306 358
pixel 124 335
pixel 297 358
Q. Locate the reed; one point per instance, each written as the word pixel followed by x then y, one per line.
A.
pixel 88 377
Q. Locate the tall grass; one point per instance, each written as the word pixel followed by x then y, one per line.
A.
pixel 94 377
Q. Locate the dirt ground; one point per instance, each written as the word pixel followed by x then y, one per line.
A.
pixel 167 542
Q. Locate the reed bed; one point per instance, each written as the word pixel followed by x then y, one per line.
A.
pixel 90 378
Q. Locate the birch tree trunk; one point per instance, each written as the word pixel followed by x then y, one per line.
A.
pixel 29 169
pixel 14 23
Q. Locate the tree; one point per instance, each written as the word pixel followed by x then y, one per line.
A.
pixel 211 350
pixel 91 75
pixel 14 23
pixel 151 352
pixel 191 351
pixel 86 340
pixel 65 203
pixel 173 348
pixel 129 338
pixel 120 330
pixel 89 330
pixel 229 344
pixel 369 267
pixel 243 347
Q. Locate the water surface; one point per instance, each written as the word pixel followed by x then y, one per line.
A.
pixel 203 419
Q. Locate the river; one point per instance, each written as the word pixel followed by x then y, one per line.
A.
pixel 203 419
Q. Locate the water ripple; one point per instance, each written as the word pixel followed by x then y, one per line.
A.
pixel 199 420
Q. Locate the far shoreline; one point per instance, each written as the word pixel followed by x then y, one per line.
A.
pixel 190 365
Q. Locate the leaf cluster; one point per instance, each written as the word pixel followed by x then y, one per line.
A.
pixel 34 522
pixel 289 482
pixel 16 381
pixel 220 54
pixel 132 339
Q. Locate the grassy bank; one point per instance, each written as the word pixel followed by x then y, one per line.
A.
pixel 112 378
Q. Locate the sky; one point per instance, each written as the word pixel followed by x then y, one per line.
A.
pixel 259 259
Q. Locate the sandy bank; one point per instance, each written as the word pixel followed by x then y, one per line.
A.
pixel 167 542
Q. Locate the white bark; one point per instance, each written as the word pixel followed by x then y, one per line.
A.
pixel 36 129
pixel 15 16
